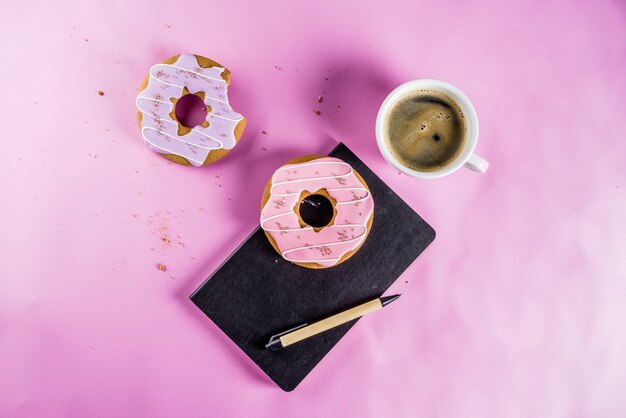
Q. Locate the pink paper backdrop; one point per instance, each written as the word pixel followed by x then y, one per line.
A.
pixel 517 309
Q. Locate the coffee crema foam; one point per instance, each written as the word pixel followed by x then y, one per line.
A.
pixel 425 130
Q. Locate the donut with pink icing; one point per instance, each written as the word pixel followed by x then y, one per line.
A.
pixel 163 132
pixel 318 183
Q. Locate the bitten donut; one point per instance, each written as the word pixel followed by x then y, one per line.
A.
pixel 316 211
pixel 165 84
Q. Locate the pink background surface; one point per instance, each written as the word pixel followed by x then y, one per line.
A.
pixel 517 309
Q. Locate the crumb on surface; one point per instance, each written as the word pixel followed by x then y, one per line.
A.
pixel 264 132
pixel 161 267
pixel 317 112
pixel 338 106
pixel 262 149
pixel 326 78
pixel 320 99
pixel 100 93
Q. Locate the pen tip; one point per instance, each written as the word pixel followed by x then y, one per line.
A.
pixel 386 300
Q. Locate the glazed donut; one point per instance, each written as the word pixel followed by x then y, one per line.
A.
pixel 165 84
pixel 310 185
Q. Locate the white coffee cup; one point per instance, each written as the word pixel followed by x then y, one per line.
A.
pixel 466 158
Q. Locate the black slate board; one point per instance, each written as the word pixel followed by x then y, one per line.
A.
pixel 255 293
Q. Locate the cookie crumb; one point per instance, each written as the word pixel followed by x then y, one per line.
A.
pixel 278 67
pixel 262 149
pixel 161 267
pixel 326 78
pixel 338 106
pixel 406 281
pixel 319 99
pixel 100 93
pixel 86 39
pixel 264 132
pixel 317 112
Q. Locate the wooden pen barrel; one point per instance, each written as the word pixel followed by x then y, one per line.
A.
pixel 330 322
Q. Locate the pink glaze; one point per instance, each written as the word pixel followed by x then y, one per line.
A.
pixel 303 244
pixel 160 130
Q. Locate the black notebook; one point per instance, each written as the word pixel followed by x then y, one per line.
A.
pixel 255 293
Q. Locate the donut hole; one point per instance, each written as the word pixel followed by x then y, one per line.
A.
pixel 190 111
pixel 316 210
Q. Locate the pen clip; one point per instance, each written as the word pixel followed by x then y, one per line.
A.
pixel 275 337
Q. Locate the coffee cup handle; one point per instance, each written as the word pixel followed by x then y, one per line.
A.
pixel 476 163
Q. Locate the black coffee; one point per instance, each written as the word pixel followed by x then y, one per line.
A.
pixel 425 130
